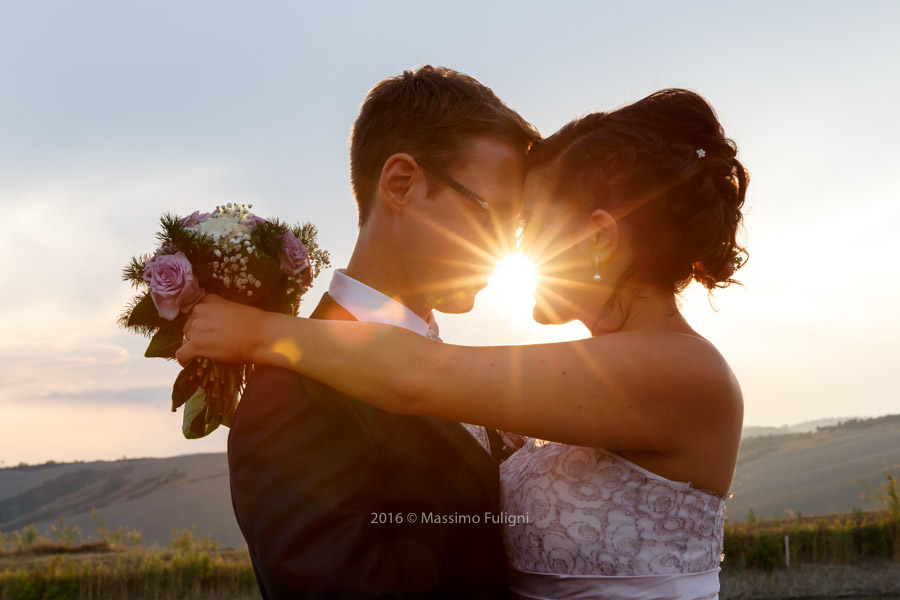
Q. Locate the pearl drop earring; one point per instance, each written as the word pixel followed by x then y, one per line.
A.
pixel 597 268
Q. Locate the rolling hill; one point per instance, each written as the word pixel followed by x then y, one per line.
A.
pixel 152 495
pixel 811 473
pixel 815 473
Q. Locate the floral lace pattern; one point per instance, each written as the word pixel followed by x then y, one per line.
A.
pixel 591 512
pixel 480 434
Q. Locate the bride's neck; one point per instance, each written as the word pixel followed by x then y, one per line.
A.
pixel 635 310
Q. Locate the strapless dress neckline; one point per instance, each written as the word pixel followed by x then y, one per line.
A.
pixel 594 518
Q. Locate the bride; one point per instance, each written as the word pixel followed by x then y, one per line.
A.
pixel 643 419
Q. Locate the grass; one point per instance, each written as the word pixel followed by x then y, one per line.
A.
pixel 834 539
pixel 133 574
pixel 116 565
pixel 110 565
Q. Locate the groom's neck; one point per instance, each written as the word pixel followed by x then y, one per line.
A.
pixel 379 265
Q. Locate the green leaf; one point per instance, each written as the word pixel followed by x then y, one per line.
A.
pixel 144 314
pixel 228 417
pixel 164 344
pixel 184 387
pixel 193 425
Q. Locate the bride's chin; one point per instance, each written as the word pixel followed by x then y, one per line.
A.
pixel 544 312
pixel 545 315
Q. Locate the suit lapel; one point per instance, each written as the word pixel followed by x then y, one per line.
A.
pixel 484 465
pixel 481 462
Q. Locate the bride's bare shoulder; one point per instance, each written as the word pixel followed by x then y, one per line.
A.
pixel 685 360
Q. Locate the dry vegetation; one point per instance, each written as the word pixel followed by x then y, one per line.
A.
pixel 838 539
pixel 849 555
pixel 117 566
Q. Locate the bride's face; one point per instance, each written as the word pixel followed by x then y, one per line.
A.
pixel 559 241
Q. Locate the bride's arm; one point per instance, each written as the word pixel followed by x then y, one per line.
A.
pixel 619 391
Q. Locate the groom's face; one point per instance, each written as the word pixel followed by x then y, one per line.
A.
pixel 451 243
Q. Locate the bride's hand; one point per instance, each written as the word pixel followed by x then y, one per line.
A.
pixel 220 330
pixel 512 440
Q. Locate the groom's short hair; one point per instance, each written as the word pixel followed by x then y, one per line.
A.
pixel 430 113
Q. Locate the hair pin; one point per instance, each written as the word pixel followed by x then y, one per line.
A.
pixel 701 153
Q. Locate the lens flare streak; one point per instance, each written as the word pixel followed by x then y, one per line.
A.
pixel 512 287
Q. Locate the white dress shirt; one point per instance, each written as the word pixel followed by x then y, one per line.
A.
pixel 371 306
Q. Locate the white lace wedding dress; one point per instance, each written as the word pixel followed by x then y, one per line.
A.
pixel 600 526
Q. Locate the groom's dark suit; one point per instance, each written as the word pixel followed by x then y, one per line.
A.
pixel 312 468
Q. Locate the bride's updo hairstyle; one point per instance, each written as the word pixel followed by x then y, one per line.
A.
pixel 664 168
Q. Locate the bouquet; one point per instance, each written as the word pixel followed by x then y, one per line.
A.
pixel 237 255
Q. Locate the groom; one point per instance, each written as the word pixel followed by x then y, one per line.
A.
pixel 328 491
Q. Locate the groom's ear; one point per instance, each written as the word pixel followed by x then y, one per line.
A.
pixel 401 177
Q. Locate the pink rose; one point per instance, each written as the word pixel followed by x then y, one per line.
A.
pixel 194 218
pixel 307 279
pixel 295 258
pixel 173 286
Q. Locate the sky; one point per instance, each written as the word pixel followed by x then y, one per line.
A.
pixel 113 113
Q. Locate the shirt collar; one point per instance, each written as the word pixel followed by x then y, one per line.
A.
pixel 369 305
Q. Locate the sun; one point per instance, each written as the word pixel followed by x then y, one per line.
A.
pixel 512 286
